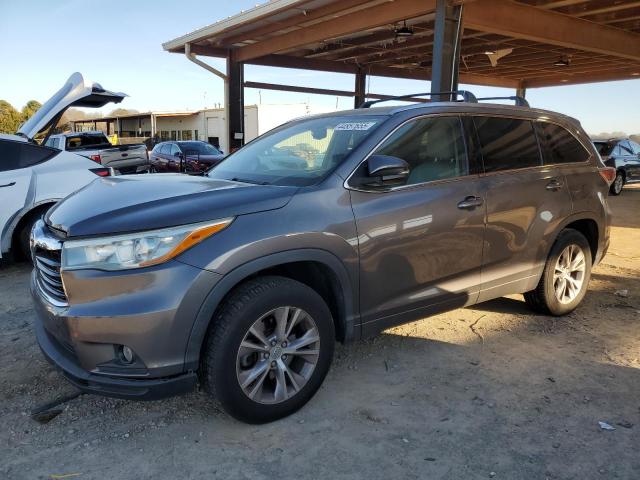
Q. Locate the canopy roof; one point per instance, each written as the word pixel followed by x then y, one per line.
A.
pixel 536 43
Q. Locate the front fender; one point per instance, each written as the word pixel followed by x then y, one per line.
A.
pixel 239 274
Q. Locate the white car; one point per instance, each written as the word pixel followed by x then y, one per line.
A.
pixel 34 177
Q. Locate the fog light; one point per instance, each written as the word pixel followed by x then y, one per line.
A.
pixel 126 354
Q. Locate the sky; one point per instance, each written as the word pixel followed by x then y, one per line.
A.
pixel 119 44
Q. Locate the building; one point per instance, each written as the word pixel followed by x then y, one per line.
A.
pixel 208 125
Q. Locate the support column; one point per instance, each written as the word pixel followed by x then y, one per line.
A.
pixel 447 36
pixel 360 88
pixel 235 98
pixel 521 91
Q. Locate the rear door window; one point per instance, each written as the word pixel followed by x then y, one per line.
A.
pixel 634 147
pixel 559 145
pixel 15 155
pixel 433 147
pixel 625 148
pixel 507 143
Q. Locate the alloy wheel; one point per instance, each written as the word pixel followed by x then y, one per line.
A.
pixel 618 183
pixel 569 274
pixel 278 355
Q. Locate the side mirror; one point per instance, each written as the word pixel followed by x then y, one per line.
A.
pixel 386 171
pixel 178 154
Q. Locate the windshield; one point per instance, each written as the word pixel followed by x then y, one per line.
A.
pixel 298 154
pixel 200 148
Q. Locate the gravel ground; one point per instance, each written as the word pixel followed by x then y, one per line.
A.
pixel 486 392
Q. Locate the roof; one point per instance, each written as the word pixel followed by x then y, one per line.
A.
pixel 534 42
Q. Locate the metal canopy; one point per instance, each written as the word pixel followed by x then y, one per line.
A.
pixel 516 44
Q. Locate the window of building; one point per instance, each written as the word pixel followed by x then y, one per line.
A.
pixel 507 143
pixel 559 146
pixel 195 135
pixel 433 147
pixel 186 135
pixel 174 135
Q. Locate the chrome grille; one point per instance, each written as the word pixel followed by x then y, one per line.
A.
pixel 47 258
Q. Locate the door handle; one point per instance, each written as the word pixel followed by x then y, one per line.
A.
pixel 8 185
pixel 470 202
pixel 554 185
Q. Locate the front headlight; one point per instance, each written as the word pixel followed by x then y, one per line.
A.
pixel 136 250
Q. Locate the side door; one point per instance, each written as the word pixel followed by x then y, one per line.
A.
pixel 632 159
pixel 163 158
pixel 420 243
pixel 174 161
pixel 525 200
pixel 17 182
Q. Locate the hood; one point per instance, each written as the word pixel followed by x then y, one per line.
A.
pixel 76 92
pixel 145 202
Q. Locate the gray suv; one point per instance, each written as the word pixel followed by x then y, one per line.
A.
pixel 331 227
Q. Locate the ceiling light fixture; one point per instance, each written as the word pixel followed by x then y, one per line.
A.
pixel 404 30
pixel 563 61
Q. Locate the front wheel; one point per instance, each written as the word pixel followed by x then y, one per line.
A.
pixel 268 350
pixel 618 184
pixel 565 277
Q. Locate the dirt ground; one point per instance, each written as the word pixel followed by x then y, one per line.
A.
pixel 486 392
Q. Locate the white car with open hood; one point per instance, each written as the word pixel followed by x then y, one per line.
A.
pixel 34 177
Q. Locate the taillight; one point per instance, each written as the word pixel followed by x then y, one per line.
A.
pixel 96 158
pixel 608 173
pixel 101 172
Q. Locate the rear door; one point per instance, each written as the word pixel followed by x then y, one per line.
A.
pixel 420 245
pixel 17 184
pixel 525 201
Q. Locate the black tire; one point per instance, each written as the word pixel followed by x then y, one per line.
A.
pixel 543 299
pixel 24 248
pixel 618 184
pixel 244 306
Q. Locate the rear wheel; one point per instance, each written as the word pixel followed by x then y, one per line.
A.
pixel 268 350
pixel 565 277
pixel 618 184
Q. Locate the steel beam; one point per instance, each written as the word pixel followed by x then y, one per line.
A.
pixel 446 48
pixel 235 109
pixel 360 87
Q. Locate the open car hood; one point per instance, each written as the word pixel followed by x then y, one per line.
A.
pixel 76 92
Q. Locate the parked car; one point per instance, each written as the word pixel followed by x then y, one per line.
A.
pixel 193 157
pixel 622 154
pixel 95 146
pixel 245 278
pixel 34 177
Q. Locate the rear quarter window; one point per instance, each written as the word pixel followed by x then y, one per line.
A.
pixel 559 145
pixel 15 155
pixel 507 143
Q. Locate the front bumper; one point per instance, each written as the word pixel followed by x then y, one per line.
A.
pixel 150 310
pixel 131 389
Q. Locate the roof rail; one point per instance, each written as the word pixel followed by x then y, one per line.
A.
pixel 520 101
pixel 466 97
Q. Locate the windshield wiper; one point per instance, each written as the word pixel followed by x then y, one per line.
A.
pixel 246 180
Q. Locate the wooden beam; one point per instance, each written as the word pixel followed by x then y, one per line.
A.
pixel 508 18
pixel 286 61
pixel 309 15
pixel 365 19
pixel 292 88
pixel 592 78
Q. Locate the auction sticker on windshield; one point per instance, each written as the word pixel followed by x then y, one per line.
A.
pixel 355 126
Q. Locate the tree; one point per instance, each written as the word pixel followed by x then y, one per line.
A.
pixel 118 112
pixel 9 118
pixel 29 109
